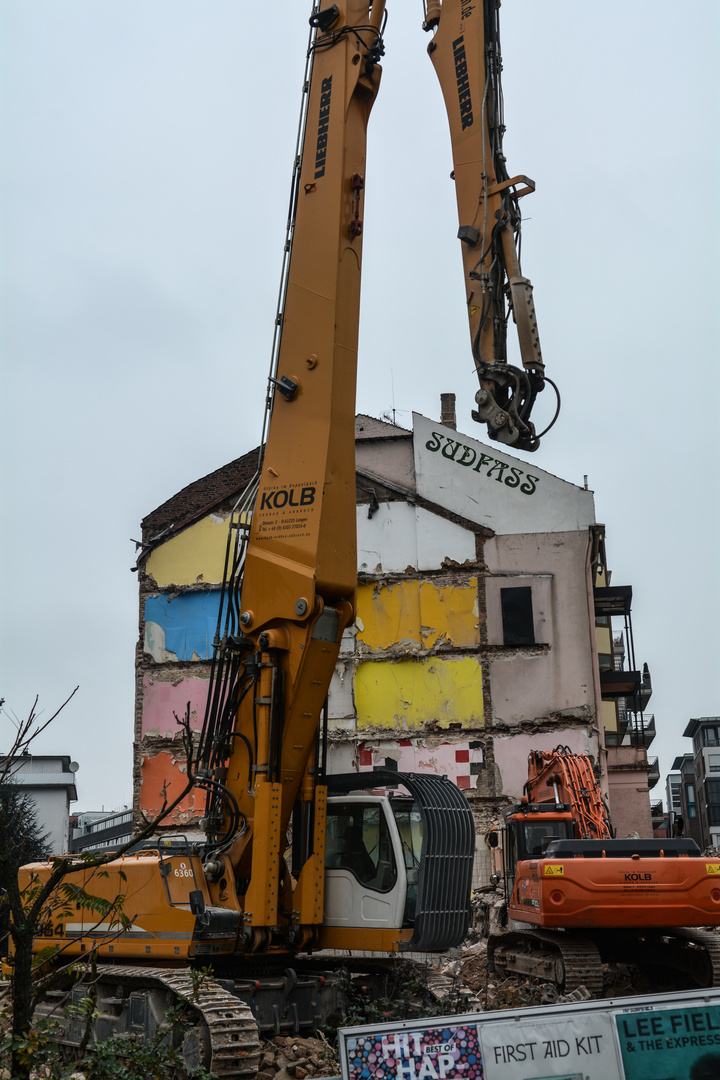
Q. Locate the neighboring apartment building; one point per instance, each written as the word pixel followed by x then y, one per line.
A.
pixel 673 800
pixel 97 830
pixel 705 735
pixel 688 823
pixel 49 780
pixel 475 635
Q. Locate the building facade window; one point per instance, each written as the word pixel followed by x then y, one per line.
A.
pixel 690 799
pixel 712 799
pixel 517 616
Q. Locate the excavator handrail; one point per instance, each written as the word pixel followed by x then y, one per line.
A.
pixel 622 849
pixel 445 876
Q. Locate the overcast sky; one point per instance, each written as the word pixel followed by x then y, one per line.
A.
pixel 147 149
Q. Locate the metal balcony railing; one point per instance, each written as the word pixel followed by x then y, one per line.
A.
pixel 641 730
pixel 653 772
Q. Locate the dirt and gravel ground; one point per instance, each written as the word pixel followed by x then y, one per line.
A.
pixel 463 980
pixel 460 982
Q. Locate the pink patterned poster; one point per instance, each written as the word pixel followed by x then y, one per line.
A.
pixel 442 1053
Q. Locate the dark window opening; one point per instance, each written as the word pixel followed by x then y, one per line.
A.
pixel 517 616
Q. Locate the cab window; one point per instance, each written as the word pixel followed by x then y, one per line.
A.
pixel 358 840
pixel 538 834
pixel 409 823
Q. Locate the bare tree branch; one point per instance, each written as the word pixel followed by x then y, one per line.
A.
pixel 27 733
pixel 33 906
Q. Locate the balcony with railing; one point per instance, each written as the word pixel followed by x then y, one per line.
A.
pixel 657 813
pixel 653 772
pixel 624 679
pixel 640 730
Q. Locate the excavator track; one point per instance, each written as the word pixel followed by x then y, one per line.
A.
pixel 222 1035
pixel 710 943
pixel 569 961
pixel 690 953
pixel 555 957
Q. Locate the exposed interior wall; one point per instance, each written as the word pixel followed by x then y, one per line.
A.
pixel 553 679
pixel 179 602
pixel 425 679
pixel 512 752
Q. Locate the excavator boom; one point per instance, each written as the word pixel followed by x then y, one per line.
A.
pixel 465 52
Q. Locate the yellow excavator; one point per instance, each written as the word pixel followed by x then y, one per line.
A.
pixel 379 873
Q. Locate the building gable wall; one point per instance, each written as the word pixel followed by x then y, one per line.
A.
pixel 425 676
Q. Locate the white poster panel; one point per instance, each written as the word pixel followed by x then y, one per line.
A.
pixel 566 1048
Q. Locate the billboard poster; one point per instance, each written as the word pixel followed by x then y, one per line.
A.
pixel 670 1044
pixel 448 1052
pixel 572 1047
pixel 666 1036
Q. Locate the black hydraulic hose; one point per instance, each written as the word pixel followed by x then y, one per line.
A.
pixel 557 408
pixel 220 793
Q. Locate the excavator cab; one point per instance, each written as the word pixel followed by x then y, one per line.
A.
pixel 367 878
pixel 398 862
pixel 528 835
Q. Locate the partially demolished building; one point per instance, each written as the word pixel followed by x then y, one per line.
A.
pixel 475 637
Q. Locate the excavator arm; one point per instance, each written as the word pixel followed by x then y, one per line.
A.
pixel 294 592
pixel 560 776
pixel 291 592
pixel 465 52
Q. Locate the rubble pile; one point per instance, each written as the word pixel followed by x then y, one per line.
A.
pixel 497 992
pixel 487 913
pixel 295 1058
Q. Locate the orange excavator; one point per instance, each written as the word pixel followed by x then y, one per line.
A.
pixel 367 872
pixel 590 897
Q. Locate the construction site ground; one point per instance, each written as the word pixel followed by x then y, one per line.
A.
pixel 457 982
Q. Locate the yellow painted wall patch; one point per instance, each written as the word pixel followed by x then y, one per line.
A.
pixel 418 613
pixel 554 870
pixel 412 693
pixel 197 554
